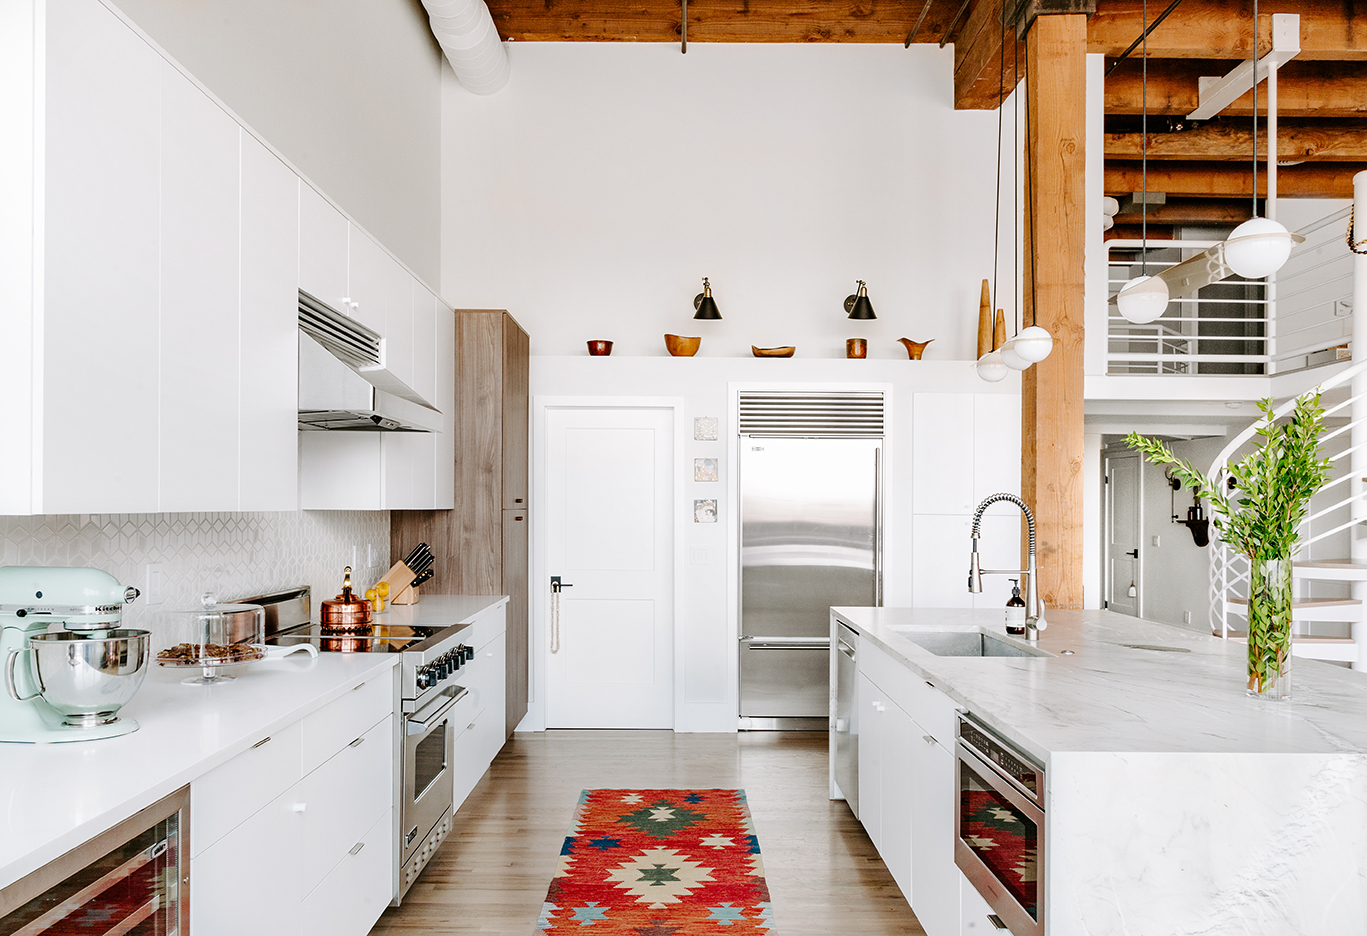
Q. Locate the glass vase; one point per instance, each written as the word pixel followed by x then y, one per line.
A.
pixel 1269 629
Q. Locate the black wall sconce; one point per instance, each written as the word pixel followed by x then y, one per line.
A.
pixel 704 304
pixel 1196 520
pixel 858 305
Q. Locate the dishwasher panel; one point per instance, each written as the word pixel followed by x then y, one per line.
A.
pixel 845 727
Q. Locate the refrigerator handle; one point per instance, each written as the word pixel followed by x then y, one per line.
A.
pixel 878 526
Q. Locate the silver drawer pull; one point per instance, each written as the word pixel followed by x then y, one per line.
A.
pixel 261 742
pixel 356 849
pixel 361 686
pixel 927 739
pixel 357 742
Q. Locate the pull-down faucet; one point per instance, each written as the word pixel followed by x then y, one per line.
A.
pixel 1034 608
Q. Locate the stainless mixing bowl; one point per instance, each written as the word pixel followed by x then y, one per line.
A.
pixel 89 677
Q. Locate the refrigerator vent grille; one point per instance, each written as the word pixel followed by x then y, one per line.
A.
pixel 811 414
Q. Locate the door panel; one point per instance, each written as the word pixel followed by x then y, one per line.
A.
pixel 610 536
pixel 1123 533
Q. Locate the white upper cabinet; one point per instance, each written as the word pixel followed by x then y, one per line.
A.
pixel 942 453
pixel 268 456
pixel 444 346
pixel 323 232
pixel 96 323
pixel 199 299
pixel 424 382
pixel 369 280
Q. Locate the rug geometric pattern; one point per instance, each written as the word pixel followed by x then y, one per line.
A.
pixel 659 863
pixel 1006 841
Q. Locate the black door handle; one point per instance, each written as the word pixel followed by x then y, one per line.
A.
pixel 1134 553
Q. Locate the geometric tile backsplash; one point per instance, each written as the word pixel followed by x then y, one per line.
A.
pixel 231 554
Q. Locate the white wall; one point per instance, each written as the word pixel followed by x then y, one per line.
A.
pixel 348 90
pixel 708 699
pixel 592 194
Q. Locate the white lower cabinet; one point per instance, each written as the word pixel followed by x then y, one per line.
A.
pixel 974 911
pixel 906 786
pixel 317 858
pixel 479 740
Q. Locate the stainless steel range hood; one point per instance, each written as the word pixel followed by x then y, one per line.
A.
pixel 343 383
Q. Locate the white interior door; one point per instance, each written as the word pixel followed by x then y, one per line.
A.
pixel 1123 532
pixel 610 538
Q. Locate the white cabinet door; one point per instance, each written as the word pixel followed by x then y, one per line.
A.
pixel 942 453
pixel 99 385
pixel 323 233
pixel 199 299
pixel 870 701
pixel 340 471
pixel 996 444
pixel 268 456
pixel 248 881
pixel 897 734
pixel 369 277
pixel 398 331
pixel 939 574
pixel 935 877
pixel 425 347
pixel 444 443
pixel 408 468
pixel 352 897
pixel 974 910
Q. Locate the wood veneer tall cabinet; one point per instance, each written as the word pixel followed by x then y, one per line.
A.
pixel 481 546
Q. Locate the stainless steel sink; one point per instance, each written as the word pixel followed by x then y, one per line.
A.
pixel 969 644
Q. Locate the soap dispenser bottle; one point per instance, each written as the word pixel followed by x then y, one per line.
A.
pixel 1015 611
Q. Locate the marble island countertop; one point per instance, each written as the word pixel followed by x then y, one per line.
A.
pixel 1107 696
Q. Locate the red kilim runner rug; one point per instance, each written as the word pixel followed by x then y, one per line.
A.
pixel 659 863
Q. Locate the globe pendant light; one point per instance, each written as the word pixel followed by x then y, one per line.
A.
pixel 705 305
pixel 1260 246
pixel 1143 299
pixel 1011 357
pixel 1034 344
pixel 991 367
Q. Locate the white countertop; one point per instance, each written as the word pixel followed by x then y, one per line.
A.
pixel 53 797
pixel 1109 697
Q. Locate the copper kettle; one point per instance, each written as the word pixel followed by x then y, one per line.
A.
pixel 346 612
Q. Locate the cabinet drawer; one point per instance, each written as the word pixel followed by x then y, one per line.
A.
pixel 929 707
pixel 488 626
pixel 344 797
pixel 343 720
pixel 229 794
pixel 354 894
pixel 246 881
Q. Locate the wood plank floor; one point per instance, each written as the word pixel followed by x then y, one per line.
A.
pixel 491 876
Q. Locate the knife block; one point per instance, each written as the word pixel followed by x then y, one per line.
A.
pixel 399 577
pixel 409 596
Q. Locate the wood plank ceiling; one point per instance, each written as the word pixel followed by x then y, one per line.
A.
pixel 1203 167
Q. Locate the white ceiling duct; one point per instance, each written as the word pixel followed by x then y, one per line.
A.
pixel 467 35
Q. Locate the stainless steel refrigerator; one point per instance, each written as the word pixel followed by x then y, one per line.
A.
pixel 811 538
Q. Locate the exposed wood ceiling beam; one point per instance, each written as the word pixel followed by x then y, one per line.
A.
pixel 1192 211
pixel 1304 89
pixel 1207 29
pixel 980 72
pixel 721 20
pixel 1312 180
pixel 1231 140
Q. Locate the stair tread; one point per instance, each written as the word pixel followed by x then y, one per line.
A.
pixel 1311 602
pixel 1295 638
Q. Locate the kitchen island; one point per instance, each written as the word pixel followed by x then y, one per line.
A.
pixel 1175 804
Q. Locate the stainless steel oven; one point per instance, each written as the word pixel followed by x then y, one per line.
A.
pixel 999 843
pixel 428 787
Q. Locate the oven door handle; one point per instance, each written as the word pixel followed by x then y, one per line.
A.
pixel 432 713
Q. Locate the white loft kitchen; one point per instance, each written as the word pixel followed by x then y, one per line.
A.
pixel 497 466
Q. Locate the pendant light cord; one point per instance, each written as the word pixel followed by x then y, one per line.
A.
pixel 1018 318
pixel 1255 108
pixel 1144 151
pixel 1030 181
pixel 997 206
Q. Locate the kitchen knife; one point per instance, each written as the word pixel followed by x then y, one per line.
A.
pixel 426 576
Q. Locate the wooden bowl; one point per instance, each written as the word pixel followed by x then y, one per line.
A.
pixel 786 351
pixel 600 348
pixel 680 346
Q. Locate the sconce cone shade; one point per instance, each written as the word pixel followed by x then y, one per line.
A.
pixel 1034 343
pixel 705 305
pixel 1143 299
pixel 991 368
pixel 1259 247
pixel 859 305
pixel 1012 357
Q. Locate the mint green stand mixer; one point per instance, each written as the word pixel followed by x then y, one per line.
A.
pixel 68 665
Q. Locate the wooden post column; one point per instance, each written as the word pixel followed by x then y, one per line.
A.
pixel 1051 400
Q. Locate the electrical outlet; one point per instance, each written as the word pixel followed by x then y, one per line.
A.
pixel 1186 617
pixel 355 556
pixel 701 557
pixel 154 582
pixel 372 556
pixel 1343 307
pixel 1157 540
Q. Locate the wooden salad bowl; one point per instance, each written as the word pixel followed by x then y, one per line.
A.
pixel 681 346
pixel 786 351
